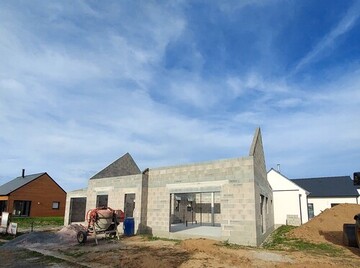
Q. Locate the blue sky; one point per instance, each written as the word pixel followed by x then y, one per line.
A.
pixel 175 82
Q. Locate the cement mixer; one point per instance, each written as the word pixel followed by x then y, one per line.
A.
pixel 101 220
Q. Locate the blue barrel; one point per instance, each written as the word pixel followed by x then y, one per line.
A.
pixel 129 226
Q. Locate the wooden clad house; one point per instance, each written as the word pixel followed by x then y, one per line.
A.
pixel 35 195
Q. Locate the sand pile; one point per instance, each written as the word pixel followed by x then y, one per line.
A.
pixel 327 226
pixel 64 237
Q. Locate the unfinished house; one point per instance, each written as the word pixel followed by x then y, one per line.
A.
pixel 118 186
pixel 225 199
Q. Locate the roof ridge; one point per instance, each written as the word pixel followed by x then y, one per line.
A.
pixel 35 174
pixel 324 177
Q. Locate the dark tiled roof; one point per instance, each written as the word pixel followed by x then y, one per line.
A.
pixel 124 166
pixel 341 186
pixel 18 182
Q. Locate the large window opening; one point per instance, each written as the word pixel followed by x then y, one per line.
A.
pixel 195 211
pixel 21 208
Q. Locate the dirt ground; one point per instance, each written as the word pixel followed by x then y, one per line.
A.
pixel 137 251
pixel 328 226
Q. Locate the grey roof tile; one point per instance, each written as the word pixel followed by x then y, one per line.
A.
pixel 124 166
pixel 18 182
pixel 341 186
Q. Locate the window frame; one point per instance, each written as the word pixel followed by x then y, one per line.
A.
pixel 310 209
pixel 58 205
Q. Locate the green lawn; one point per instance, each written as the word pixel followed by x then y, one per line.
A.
pixel 36 222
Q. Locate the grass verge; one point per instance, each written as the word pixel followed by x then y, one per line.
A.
pixel 25 224
pixel 280 241
pixel 36 222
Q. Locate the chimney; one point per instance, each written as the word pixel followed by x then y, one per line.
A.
pixel 23 173
pixel 278 168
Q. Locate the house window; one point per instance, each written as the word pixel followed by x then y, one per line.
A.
pixel 311 210
pixel 3 206
pixel 102 201
pixel 21 208
pixel 56 205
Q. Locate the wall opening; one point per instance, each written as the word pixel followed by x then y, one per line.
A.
pixel 77 209
pixel 129 205
pixel 262 213
pixel 102 200
pixel 195 210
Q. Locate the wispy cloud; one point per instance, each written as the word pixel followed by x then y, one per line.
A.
pixel 343 26
pixel 82 84
pixel 254 81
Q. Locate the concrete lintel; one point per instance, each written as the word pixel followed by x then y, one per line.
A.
pixel 204 186
pixel 104 189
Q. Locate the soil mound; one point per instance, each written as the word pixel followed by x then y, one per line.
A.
pixel 328 226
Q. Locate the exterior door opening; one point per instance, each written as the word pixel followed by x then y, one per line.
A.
pixel 129 205
pixel 77 209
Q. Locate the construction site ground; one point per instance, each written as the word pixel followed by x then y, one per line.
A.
pixel 60 249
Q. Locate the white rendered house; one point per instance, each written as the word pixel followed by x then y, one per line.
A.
pixel 290 200
pixel 298 200
pixel 326 192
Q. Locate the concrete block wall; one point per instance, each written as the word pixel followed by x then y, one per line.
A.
pixel 238 214
pixel 262 188
pixel 268 208
pixel 238 182
pixel 144 200
pixel 233 178
pixel 293 220
pixel 116 188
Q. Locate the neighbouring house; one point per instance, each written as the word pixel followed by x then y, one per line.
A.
pixel 298 200
pixel 35 195
pixel 227 199
pixel 357 181
pixel 326 192
pixel 290 200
